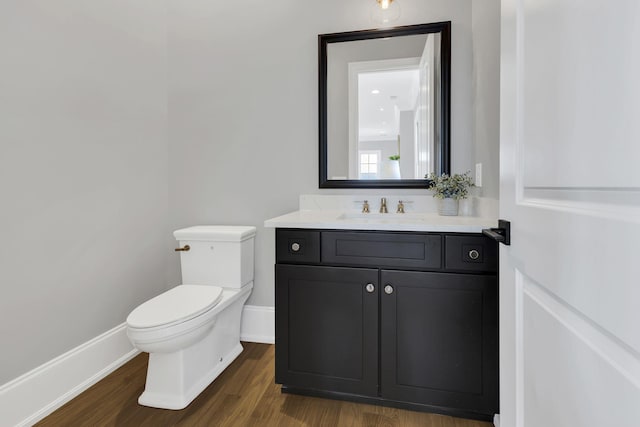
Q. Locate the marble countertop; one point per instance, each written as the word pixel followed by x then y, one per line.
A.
pixel 347 220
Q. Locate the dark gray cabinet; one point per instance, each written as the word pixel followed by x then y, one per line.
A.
pixel 327 328
pixel 392 318
pixel 438 340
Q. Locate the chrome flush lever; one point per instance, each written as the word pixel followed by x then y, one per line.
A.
pixel 185 248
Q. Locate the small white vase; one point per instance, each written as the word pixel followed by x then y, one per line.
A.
pixel 391 169
pixel 448 207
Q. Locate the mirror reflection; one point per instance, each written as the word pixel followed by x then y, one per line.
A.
pixel 384 103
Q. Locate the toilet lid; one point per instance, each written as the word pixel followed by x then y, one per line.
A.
pixel 179 304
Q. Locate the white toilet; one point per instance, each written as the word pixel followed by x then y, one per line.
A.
pixel 192 332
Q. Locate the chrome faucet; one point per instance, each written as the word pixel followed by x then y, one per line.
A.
pixel 400 207
pixel 383 205
pixel 365 207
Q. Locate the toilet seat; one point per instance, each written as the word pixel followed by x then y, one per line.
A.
pixel 175 306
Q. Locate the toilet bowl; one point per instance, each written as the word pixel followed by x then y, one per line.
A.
pixel 192 331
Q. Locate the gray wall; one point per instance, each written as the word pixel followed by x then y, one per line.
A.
pixel 83 171
pixel 243 118
pixel 97 166
pixel 486 93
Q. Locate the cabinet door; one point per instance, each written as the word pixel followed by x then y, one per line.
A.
pixel 327 328
pixel 439 340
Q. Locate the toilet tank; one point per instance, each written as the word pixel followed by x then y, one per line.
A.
pixel 218 255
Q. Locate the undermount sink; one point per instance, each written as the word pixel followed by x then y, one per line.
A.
pixel 353 215
pixel 384 217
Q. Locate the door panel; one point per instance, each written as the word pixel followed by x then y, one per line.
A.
pixel 327 328
pixel 438 340
pixel 570 98
pixel 427 316
pixel 550 382
pixel 580 93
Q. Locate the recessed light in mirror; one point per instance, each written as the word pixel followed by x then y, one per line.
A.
pixel 375 91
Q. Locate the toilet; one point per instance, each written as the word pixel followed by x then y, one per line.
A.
pixel 192 331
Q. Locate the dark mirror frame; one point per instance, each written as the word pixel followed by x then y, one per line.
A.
pixel 444 160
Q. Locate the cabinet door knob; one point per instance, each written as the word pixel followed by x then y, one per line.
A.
pixel 474 254
pixel 370 287
pixel 295 247
pixel 388 289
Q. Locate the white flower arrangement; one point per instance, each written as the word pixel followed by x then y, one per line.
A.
pixel 455 186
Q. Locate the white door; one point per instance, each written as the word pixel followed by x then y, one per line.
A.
pixel 570 185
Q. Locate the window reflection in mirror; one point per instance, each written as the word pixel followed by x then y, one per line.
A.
pixel 383 114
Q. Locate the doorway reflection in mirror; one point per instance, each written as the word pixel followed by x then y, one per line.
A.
pixel 393 106
pixel 393 114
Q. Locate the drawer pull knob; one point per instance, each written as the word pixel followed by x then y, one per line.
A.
pixel 388 289
pixel 474 254
pixel 370 288
pixel 295 247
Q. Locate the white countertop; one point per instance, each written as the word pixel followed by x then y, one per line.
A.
pixel 331 219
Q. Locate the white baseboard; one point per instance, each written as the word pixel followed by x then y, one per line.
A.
pixel 34 395
pixel 258 324
pixel 496 420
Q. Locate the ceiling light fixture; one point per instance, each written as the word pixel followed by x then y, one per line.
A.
pixel 385 12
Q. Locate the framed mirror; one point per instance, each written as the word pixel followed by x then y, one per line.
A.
pixel 384 106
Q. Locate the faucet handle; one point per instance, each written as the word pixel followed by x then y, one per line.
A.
pixel 401 205
pixel 365 205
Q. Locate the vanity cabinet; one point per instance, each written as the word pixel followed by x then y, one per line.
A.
pixel 403 319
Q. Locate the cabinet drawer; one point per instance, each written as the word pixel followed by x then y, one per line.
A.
pixel 298 246
pixel 411 250
pixel 471 253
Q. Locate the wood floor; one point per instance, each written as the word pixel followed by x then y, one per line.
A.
pixel 244 395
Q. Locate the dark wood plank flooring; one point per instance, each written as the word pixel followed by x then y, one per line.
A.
pixel 244 395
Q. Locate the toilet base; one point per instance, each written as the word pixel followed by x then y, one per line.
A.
pixel 175 379
pixel 174 401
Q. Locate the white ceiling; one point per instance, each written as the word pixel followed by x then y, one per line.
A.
pixel 379 113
